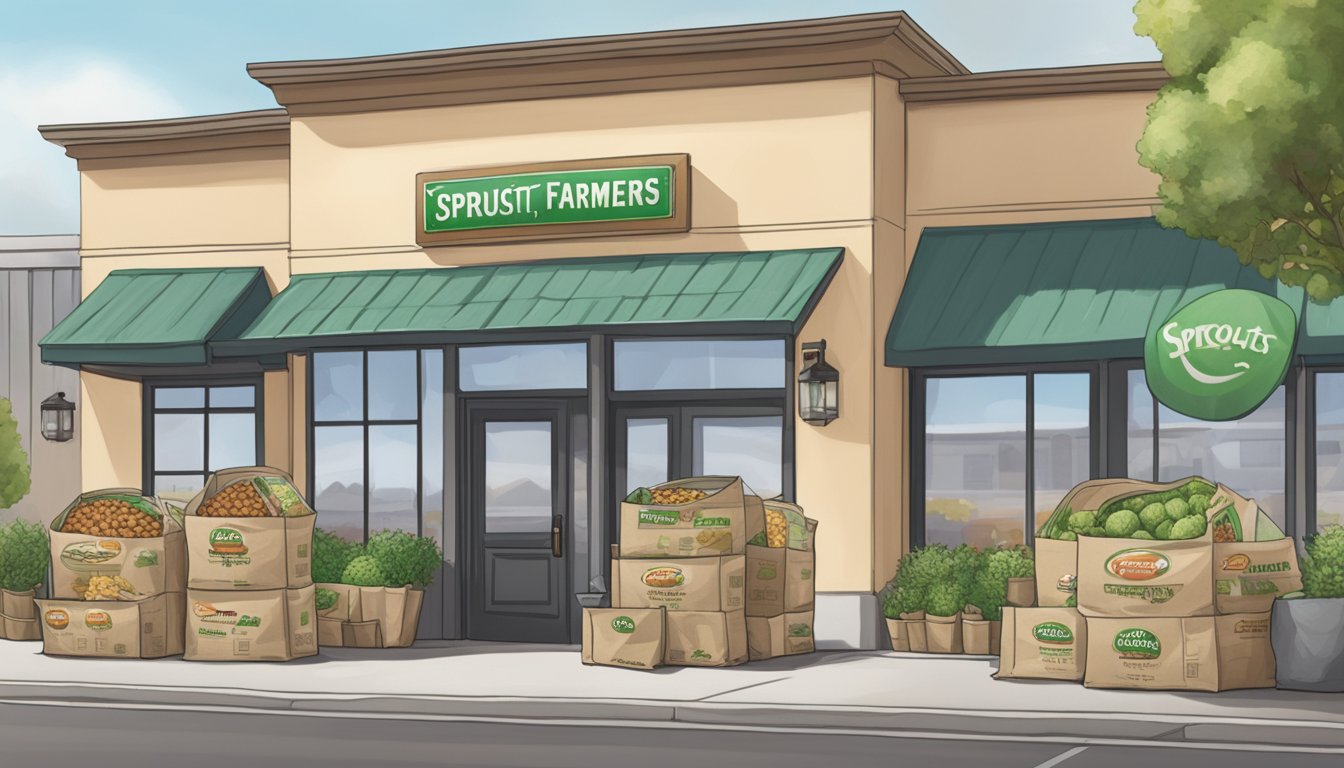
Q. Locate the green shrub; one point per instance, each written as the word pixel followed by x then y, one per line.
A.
pixel 331 554
pixel 24 555
pixel 364 571
pixel 15 477
pixel 916 573
pixel 946 598
pixel 1323 564
pixel 990 592
pixel 406 559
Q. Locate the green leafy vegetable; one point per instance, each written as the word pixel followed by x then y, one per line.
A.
pixel 1176 509
pixel 1163 532
pixel 406 559
pixel 364 571
pixel 331 554
pixel 1152 516
pixel 24 555
pixel 1190 527
pixel 1082 520
pixel 1323 564
pixel 1122 524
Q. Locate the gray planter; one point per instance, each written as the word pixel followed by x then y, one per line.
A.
pixel 1308 638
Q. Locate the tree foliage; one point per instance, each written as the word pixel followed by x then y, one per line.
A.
pixel 1248 136
pixel 15 480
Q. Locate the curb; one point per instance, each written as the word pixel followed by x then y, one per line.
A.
pixel 633 712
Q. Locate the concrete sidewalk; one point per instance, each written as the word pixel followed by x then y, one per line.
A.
pixel 851 690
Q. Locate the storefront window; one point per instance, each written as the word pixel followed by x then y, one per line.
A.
pixel 523 366
pixel 1329 438
pixel 1062 438
pixel 1248 454
pixel 646 446
pixel 746 446
pixel 197 430
pixel 377 455
pixel 975 447
pixel 699 364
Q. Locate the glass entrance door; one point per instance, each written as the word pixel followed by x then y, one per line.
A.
pixel 517 500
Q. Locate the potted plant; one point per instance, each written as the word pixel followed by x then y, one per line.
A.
pixel 950 574
pixel 1307 628
pixel 24 555
pixel 903 606
pixel 371 595
pixel 993 589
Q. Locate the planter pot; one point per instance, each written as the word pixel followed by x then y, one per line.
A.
pixel 18 605
pixel 995 630
pixel 916 632
pixel 899 633
pixel 1308 639
pixel 1022 592
pixel 975 636
pixel 944 633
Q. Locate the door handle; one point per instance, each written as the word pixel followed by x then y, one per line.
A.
pixel 558 536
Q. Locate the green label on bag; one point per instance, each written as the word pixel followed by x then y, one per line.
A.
pixel 1052 632
pixel 1222 355
pixel 659 517
pixel 623 624
pixel 1137 643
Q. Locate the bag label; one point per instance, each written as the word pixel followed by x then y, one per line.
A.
pixel 1136 643
pixel 664 577
pixel 623 624
pixel 659 517
pixel 1138 564
pixel 1052 632
pixel 98 621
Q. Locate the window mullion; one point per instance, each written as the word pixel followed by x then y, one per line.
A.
pixel 1030 480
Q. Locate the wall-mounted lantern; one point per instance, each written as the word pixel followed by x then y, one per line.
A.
pixel 58 418
pixel 818 387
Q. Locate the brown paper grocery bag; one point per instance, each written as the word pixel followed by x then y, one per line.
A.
pixel 151 565
pixel 995 632
pixel 1198 653
pixel 1056 572
pixel 249 553
pixel 899 633
pixel 707 638
pixel 1145 578
pixel 1042 644
pixel 635 638
pixel 944 633
pixel 142 629
pixel 1022 592
pixel 1249 575
pixel 262 625
pixel 713 525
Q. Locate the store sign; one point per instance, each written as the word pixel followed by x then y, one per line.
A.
pixel 1222 355
pixel 609 196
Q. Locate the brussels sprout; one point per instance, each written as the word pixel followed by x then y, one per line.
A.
pixel 1082 520
pixel 1176 509
pixel 1163 532
pixel 1142 535
pixel 1134 503
pixel 1068 536
pixel 1152 516
pixel 1096 530
pixel 1122 524
pixel 1199 504
pixel 1197 487
pixel 1190 527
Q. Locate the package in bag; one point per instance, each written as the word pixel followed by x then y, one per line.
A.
pixel 1196 653
pixel 1042 644
pixel 115 544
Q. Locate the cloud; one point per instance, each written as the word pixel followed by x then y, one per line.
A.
pixel 39 185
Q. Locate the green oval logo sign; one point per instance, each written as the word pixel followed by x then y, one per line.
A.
pixel 1052 632
pixel 1137 643
pixel 623 624
pixel 1222 355
pixel 226 536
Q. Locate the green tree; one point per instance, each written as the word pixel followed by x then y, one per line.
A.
pixel 14 478
pixel 1248 136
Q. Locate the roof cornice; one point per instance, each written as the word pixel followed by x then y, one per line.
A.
pixel 236 130
pixel 1107 78
pixel 890 44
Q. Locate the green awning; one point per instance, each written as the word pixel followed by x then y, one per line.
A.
pixel 1039 293
pixel 157 317
pixel 755 292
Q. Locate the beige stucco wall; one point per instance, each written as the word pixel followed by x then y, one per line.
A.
pixel 199 209
pixel 198 199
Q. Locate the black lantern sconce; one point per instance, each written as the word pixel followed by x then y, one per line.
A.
pixel 58 418
pixel 818 387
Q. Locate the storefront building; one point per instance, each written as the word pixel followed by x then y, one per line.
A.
pixel 349 288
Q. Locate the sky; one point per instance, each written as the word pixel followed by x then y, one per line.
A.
pixel 92 60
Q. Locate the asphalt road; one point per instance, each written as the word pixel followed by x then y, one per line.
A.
pixel 113 738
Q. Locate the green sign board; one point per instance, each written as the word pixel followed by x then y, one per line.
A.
pixel 553 199
pixel 1222 355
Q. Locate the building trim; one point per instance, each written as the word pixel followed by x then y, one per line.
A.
pixel 235 130
pixel 39 251
pixel 1106 78
pixel 890 44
